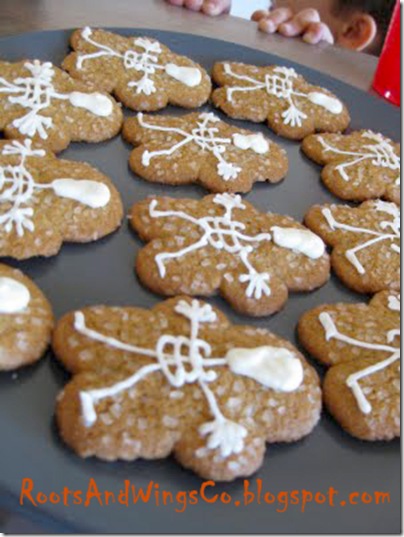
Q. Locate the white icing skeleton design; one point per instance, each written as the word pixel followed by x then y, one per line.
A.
pixel 204 135
pixel 36 92
pixel 225 233
pixel 378 150
pixel 390 232
pixel 187 360
pixel 18 188
pixel 280 85
pixel 147 62
pixel 332 332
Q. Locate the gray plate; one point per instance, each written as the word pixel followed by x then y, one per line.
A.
pixel 103 273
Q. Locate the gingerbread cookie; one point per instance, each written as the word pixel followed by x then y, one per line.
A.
pixel 40 101
pixel 201 148
pixel 180 379
pixel 224 244
pixel 45 201
pixel 26 320
pixel 361 343
pixel 365 242
pixel 141 72
pixel 358 166
pixel 292 107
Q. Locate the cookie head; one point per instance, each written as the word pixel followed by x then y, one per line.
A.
pixel 180 379
pixel 142 73
pixel 361 343
pixel 26 320
pixel 42 102
pixel 279 95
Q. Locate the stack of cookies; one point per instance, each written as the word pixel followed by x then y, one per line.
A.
pixel 180 378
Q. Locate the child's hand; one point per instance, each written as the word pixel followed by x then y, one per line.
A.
pixel 305 23
pixel 209 7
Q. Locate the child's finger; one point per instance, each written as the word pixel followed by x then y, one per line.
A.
pixel 316 32
pixel 260 14
pixel 271 22
pixel 298 24
pixel 194 5
pixel 216 7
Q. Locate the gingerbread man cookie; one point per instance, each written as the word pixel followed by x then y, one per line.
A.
pixel 40 101
pixel 26 320
pixel 291 106
pixel 201 148
pixel 180 379
pixel 141 72
pixel 365 242
pixel 45 201
pixel 358 166
pixel 224 244
pixel 361 343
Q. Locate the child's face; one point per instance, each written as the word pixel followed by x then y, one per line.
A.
pixel 325 9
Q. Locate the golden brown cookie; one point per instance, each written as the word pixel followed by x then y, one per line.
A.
pixel 224 244
pixel 42 102
pixel 200 148
pixel 358 166
pixel 45 201
pixel 361 343
pixel 291 106
pixel 180 379
pixel 365 242
pixel 141 72
pixel 26 320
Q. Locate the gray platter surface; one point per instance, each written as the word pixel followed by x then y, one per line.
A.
pixel 103 273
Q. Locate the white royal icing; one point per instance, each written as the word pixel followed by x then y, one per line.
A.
pixel 375 148
pixel 36 92
pixel 204 135
pixel 256 142
pixel 91 193
pixel 96 103
pixel 331 104
pixel 18 188
pixel 227 234
pixel 186 360
pixel 303 241
pixel 147 62
pixel 280 84
pixel 14 296
pixel 332 332
pixel 392 235
pixel 190 76
pixel 274 367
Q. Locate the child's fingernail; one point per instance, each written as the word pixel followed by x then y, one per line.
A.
pixel 309 38
pixel 270 26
